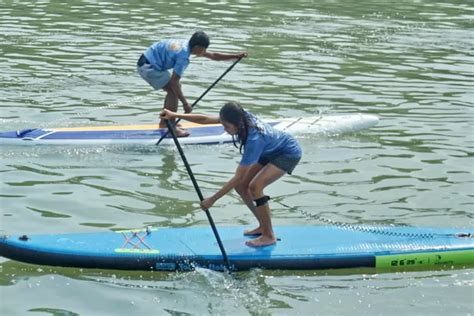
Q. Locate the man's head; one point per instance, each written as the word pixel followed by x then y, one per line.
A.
pixel 198 43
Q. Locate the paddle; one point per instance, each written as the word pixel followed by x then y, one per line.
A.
pixel 202 96
pixel 198 191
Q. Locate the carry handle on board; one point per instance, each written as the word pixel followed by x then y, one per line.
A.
pixel 199 193
pixel 202 96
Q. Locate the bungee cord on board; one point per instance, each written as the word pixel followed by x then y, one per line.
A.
pixel 373 229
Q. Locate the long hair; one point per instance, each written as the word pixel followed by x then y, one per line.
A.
pixel 233 113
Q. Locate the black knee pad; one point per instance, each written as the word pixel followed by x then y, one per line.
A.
pixel 261 201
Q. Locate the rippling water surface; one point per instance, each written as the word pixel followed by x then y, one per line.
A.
pixel 71 63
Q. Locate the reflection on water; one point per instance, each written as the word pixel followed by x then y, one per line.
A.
pixel 72 63
pixel 254 292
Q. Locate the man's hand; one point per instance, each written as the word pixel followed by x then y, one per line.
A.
pixel 242 55
pixel 187 108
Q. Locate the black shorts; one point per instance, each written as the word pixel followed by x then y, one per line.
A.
pixel 283 162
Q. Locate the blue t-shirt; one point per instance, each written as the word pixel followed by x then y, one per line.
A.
pixel 266 141
pixel 169 54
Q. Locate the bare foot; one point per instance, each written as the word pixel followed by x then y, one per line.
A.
pixel 181 132
pixel 261 241
pixel 253 232
pixel 163 125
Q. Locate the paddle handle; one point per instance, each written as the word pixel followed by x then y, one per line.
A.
pixel 202 96
pixel 215 82
pixel 199 193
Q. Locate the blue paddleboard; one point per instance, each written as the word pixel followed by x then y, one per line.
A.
pixel 299 247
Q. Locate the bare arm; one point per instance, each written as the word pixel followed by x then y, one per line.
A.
pixel 222 56
pixel 231 184
pixel 195 118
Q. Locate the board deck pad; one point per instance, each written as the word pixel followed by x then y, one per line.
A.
pixel 149 134
pixel 299 247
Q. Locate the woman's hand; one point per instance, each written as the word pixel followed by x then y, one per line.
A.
pixel 167 114
pixel 207 203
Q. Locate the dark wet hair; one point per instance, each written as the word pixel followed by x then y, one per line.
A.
pixel 199 38
pixel 233 113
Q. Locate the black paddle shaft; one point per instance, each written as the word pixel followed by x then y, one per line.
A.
pixel 202 96
pixel 199 193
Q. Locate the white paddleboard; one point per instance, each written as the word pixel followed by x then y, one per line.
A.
pixel 149 134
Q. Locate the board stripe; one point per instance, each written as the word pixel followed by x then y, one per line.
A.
pixel 142 127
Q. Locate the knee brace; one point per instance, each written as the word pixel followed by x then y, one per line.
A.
pixel 261 201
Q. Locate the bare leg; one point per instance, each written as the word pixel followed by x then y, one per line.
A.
pixel 171 103
pixel 266 176
pixel 267 236
pixel 244 192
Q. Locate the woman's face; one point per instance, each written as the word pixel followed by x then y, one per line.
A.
pixel 230 128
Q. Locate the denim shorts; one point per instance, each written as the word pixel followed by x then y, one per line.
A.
pixel 155 78
pixel 283 162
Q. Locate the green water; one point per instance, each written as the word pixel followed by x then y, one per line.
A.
pixel 72 63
